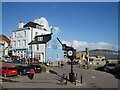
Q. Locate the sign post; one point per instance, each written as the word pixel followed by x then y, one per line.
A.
pixel 71 53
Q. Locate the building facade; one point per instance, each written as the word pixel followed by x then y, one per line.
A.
pixel 47 47
pixel 54 50
pixel 5 45
pixel 51 47
pixel 24 35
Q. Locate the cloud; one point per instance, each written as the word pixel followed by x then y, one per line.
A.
pixel 81 45
pixel 43 21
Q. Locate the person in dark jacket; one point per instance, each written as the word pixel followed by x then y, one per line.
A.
pixel 62 63
pixel 31 74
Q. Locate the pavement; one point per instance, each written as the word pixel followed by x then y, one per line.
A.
pixel 91 79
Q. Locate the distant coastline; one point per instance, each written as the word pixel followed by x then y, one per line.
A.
pixel 104 52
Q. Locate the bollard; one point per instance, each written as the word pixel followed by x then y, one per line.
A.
pixel 76 77
pixel 81 79
pixel 63 76
pixel 66 79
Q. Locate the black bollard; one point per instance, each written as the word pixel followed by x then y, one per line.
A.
pixel 63 76
pixel 81 79
pixel 66 79
pixel 76 77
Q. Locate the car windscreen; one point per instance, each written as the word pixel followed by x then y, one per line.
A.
pixel 37 66
pixel 111 64
pixel 26 67
pixel 11 69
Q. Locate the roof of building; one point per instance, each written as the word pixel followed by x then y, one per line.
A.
pixel 4 38
pixel 46 38
pixel 32 24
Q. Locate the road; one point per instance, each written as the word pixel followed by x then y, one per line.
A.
pixel 91 79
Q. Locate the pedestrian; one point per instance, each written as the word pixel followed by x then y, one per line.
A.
pixel 31 74
pixel 62 63
pixel 58 64
pixel 107 62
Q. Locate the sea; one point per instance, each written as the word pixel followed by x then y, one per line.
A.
pixel 109 55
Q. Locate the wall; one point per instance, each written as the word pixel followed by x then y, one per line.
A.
pixel 20 36
pixel 54 48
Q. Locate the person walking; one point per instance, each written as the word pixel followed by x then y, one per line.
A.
pixel 62 63
pixel 58 64
pixel 31 74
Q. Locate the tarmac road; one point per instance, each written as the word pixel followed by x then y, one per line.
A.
pixel 91 79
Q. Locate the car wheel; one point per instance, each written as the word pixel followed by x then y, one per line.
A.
pixel 5 75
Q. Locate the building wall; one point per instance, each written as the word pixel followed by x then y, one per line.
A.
pixel 3 49
pixel 39 52
pixel 54 50
pixel 19 38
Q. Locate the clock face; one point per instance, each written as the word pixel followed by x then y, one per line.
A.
pixel 70 53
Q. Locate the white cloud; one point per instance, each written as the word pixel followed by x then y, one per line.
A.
pixel 80 45
pixel 42 21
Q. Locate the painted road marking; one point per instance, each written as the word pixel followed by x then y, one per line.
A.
pixel 93 76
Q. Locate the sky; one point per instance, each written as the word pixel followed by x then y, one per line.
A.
pixel 82 24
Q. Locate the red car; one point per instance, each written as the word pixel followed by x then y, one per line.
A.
pixel 8 71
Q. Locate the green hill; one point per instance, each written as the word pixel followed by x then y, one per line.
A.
pixel 102 51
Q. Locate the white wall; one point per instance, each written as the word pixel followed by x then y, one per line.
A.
pixel 2 48
pixel 20 36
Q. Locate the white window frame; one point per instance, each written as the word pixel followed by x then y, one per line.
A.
pixel 58 56
pixel 24 42
pixel 18 43
pixel 40 38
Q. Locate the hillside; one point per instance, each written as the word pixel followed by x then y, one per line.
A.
pixel 102 51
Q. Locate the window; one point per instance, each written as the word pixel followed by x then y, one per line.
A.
pixel 37 47
pixel 57 56
pixel 18 43
pixel 4 68
pixel 30 47
pixel 40 27
pixel 18 35
pixel 14 34
pixel 37 26
pixel 48 45
pixel 24 42
pixel 59 46
pixel 24 33
pixel 14 43
pixel 40 38
pixel 54 46
pixel 36 33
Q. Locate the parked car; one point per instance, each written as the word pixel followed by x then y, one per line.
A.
pixel 36 67
pixel 16 61
pixel 117 69
pixel 22 69
pixel 109 67
pixel 8 71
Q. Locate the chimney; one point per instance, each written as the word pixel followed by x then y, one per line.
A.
pixel 21 24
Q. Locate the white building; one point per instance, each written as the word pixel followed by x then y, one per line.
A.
pixel 24 35
pixel 5 43
pixel 3 48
